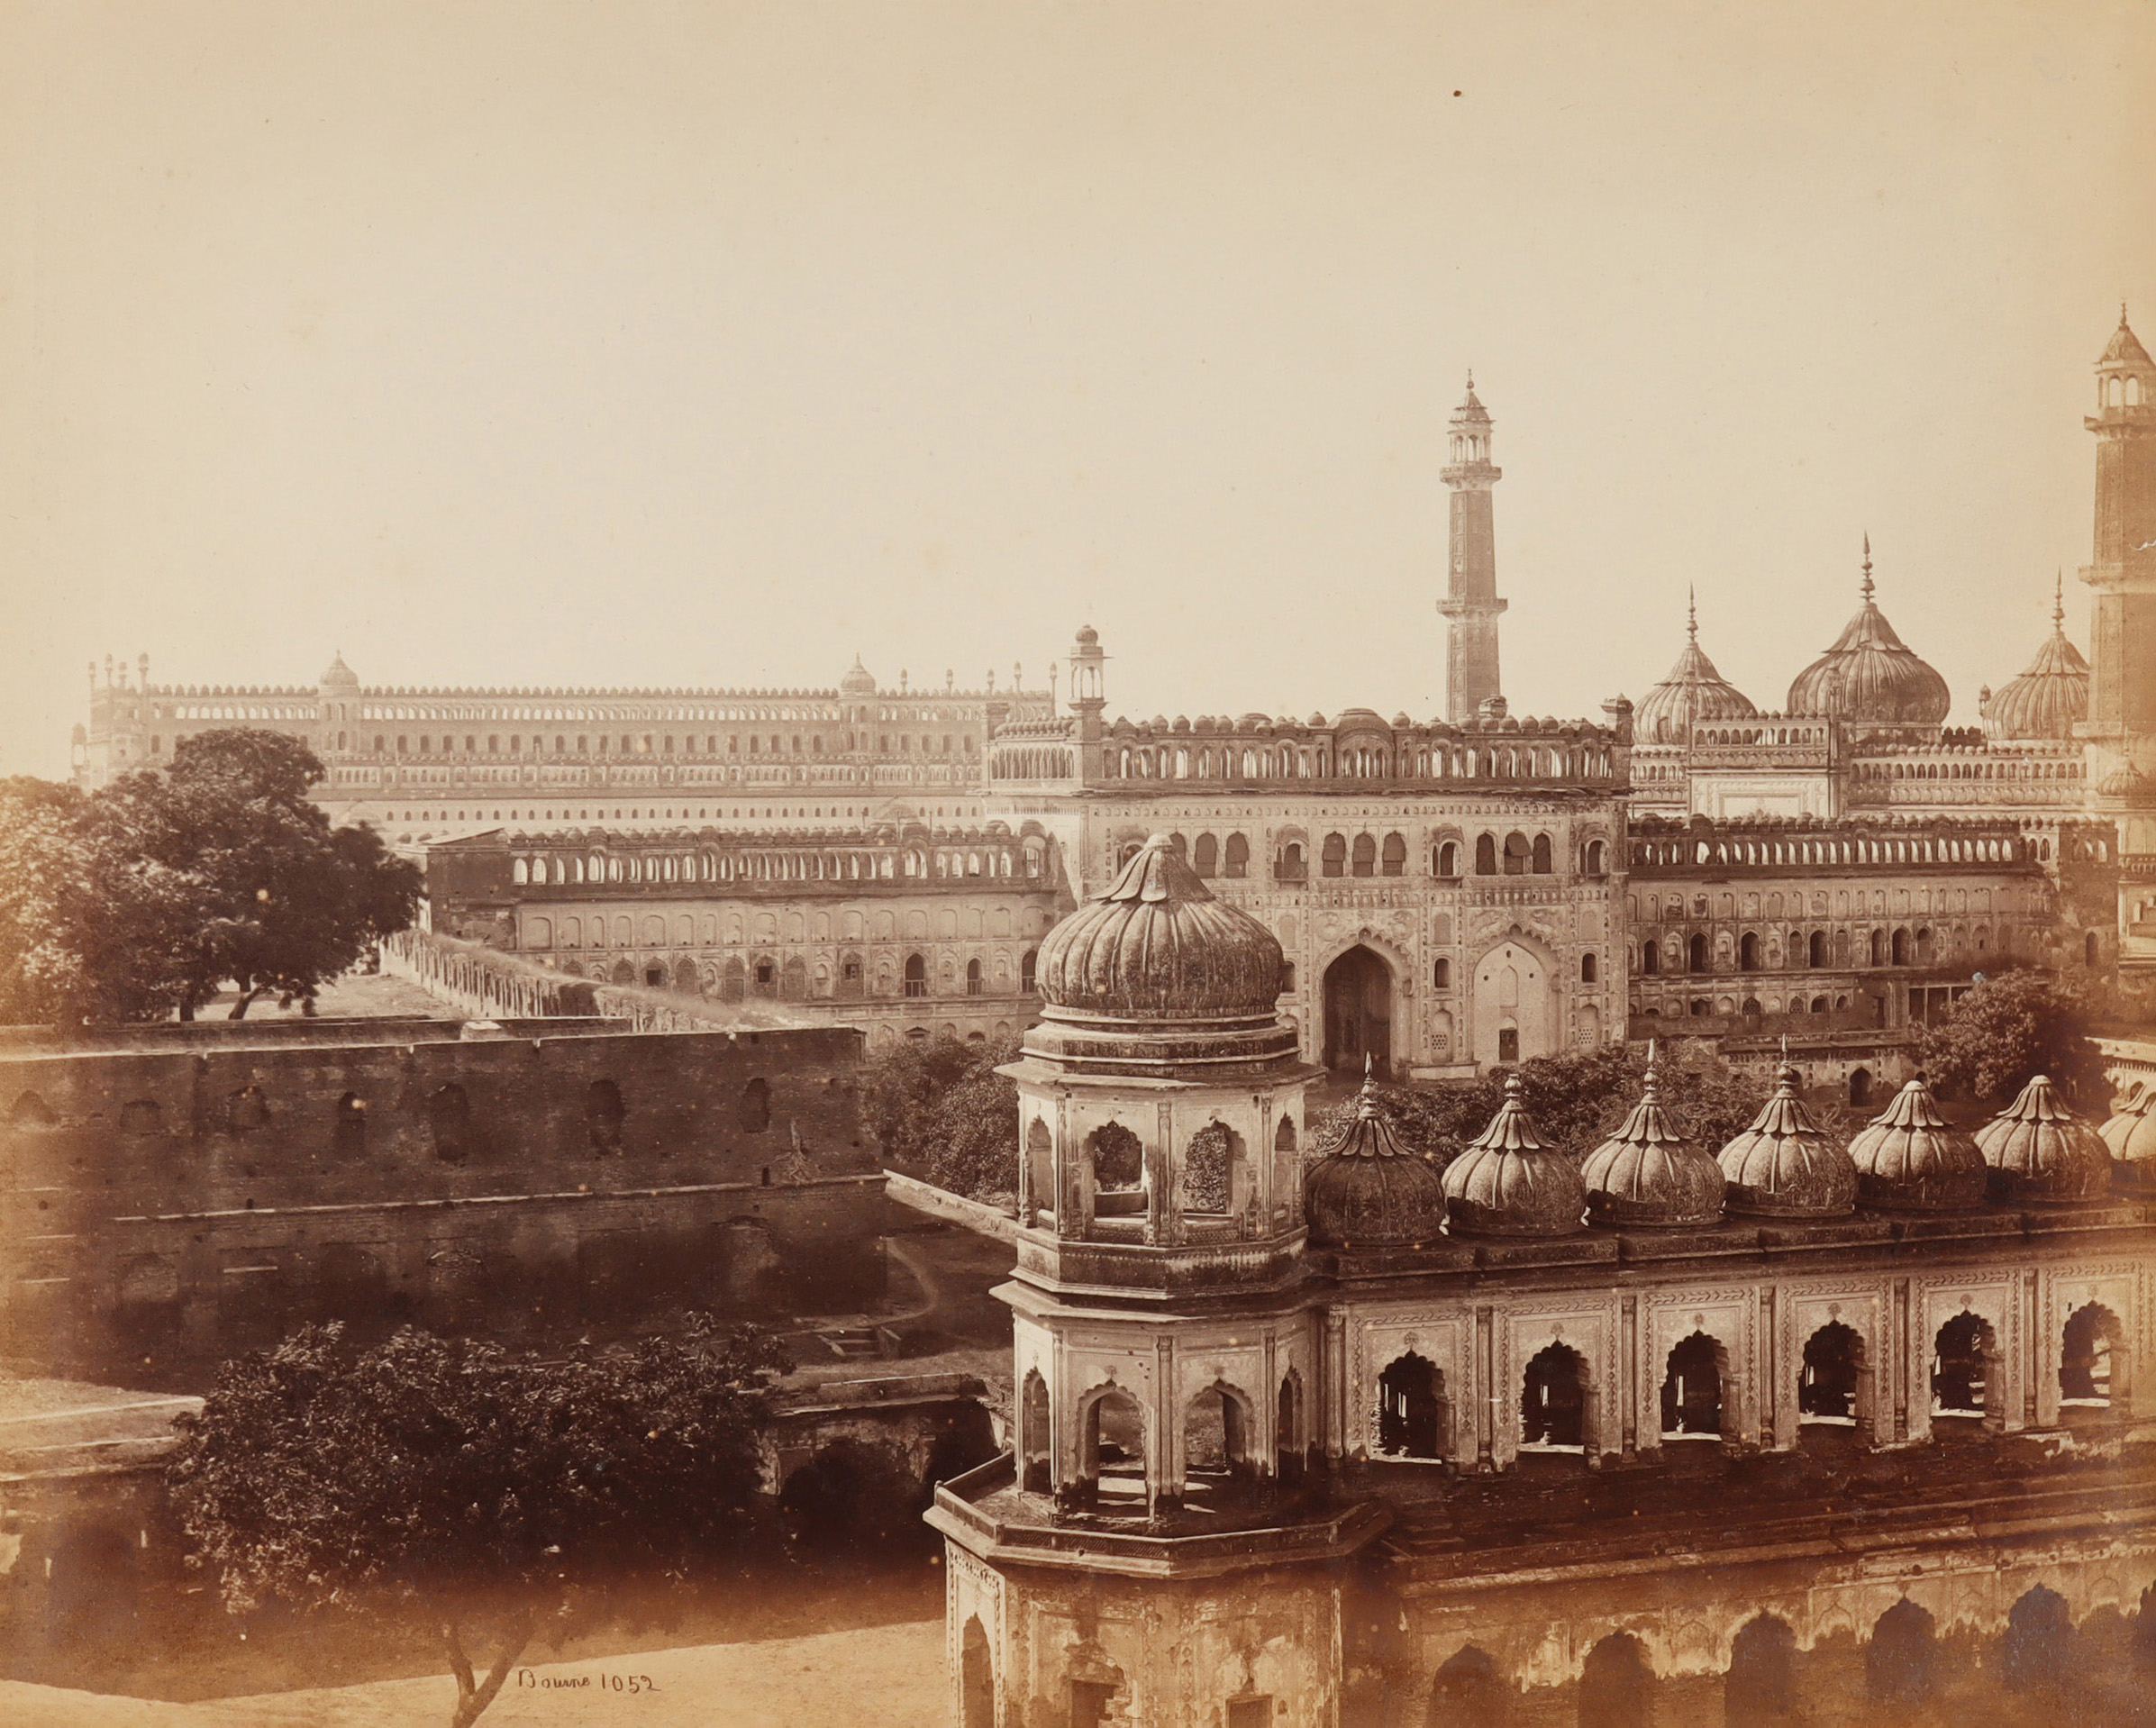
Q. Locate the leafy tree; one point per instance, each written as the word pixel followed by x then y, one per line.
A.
pixel 2013 1025
pixel 148 895
pixel 940 1109
pixel 449 1486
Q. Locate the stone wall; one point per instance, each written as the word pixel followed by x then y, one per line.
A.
pixel 177 1207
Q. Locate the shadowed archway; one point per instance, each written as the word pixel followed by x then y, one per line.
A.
pixel 1359 1011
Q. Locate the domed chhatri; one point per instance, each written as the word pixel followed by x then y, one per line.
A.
pixel 2049 699
pixel 1785 1165
pixel 1869 675
pixel 1154 944
pixel 1909 1160
pixel 1507 1183
pixel 1648 1173
pixel 1367 1193
pixel 2131 1136
pixel 2039 1149
pixel 339 676
pixel 859 681
pixel 1693 691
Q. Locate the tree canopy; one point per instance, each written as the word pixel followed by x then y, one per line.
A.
pixel 148 896
pixel 940 1110
pixel 2010 1027
pixel 458 1490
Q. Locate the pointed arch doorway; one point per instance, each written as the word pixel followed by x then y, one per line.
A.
pixel 1358 1013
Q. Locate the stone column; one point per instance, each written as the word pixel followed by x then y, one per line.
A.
pixel 1628 1394
pixel 1164 1461
pixel 1334 1394
pixel 1486 1390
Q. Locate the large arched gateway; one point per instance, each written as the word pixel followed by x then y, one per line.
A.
pixel 1358 1012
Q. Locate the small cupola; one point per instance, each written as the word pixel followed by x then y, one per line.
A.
pixel 1507 1183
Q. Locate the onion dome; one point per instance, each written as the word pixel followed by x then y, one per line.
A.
pixel 2039 1149
pixel 1507 1183
pixel 859 681
pixel 1693 690
pixel 1868 674
pixel 1648 1173
pixel 339 679
pixel 1154 944
pixel 2131 1135
pixel 2052 696
pixel 1785 1165
pixel 1910 1160
pixel 1367 1193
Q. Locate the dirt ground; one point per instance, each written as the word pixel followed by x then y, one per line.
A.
pixel 830 1677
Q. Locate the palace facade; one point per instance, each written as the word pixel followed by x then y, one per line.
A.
pixel 1286 1428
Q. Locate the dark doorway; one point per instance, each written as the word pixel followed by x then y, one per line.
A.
pixel 1616 1685
pixel 1900 1661
pixel 1826 1391
pixel 2085 1360
pixel 1960 1363
pixel 2038 1651
pixel 977 1678
pixel 1761 1682
pixel 1358 1013
pixel 1553 1403
pixel 1410 1409
pixel 1468 1688
pixel 1692 1391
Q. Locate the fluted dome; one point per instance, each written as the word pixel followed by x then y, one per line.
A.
pixel 340 677
pixel 1507 1183
pixel 1868 674
pixel 1368 1192
pixel 1908 1158
pixel 2039 1149
pixel 2050 697
pixel 1785 1165
pixel 2131 1136
pixel 1693 690
pixel 859 681
pixel 1649 1173
pixel 1154 944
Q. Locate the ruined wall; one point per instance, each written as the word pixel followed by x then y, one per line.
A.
pixel 178 1206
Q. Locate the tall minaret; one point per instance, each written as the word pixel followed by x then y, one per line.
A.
pixel 1471 605
pixel 2121 649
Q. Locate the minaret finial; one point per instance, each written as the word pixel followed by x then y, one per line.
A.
pixel 1691 628
pixel 2121 318
pixel 2058 602
pixel 1867 583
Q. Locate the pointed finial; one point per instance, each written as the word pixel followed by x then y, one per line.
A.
pixel 2058 602
pixel 1867 584
pixel 2121 318
pixel 1653 1077
pixel 1367 1064
pixel 1691 624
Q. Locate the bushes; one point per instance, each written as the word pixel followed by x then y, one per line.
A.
pixel 942 1112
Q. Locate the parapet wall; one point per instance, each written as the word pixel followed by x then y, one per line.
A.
pixel 181 1204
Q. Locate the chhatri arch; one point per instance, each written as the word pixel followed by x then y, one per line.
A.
pixel 1365 987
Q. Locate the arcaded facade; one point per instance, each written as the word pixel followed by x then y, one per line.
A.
pixel 1248 1416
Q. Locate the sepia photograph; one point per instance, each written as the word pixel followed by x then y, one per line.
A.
pixel 1077 864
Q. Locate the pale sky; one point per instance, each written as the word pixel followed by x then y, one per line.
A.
pixel 671 344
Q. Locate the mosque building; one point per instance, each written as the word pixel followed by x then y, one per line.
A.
pixel 1288 1432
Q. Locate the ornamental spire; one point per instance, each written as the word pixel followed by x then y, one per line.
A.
pixel 2058 602
pixel 1867 583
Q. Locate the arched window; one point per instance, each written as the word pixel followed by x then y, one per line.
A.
pixel 1901 947
pixel 1692 1389
pixel 916 976
pixel 973 978
pixel 1411 1409
pixel 1542 855
pixel 1553 1398
pixel 1238 862
pixel 1334 859
pixel 1747 953
pixel 1485 855
pixel 603 1113
pixel 1960 1357
pixel 1447 858
pixel 1393 860
pixel 755 1106
pixel 1815 948
pixel 1517 852
pixel 1289 866
pixel 1026 965
pixel 1208 1164
pixel 1651 959
pixel 1204 857
pixel 1698 955
pixel 1365 856
pixel 1827 1388
pixel 1118 1159
pixel 1443 979
pixel 1590 969
pixel 1596 852
pixel 2086 1357
pixel 1879 948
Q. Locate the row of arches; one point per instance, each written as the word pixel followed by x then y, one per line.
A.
pixel 764 864
pixel 1842 948
pixel 1370 855
pixel 1687 851
pixel 1413 1414
pixel 1350 760
pixel 852 976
